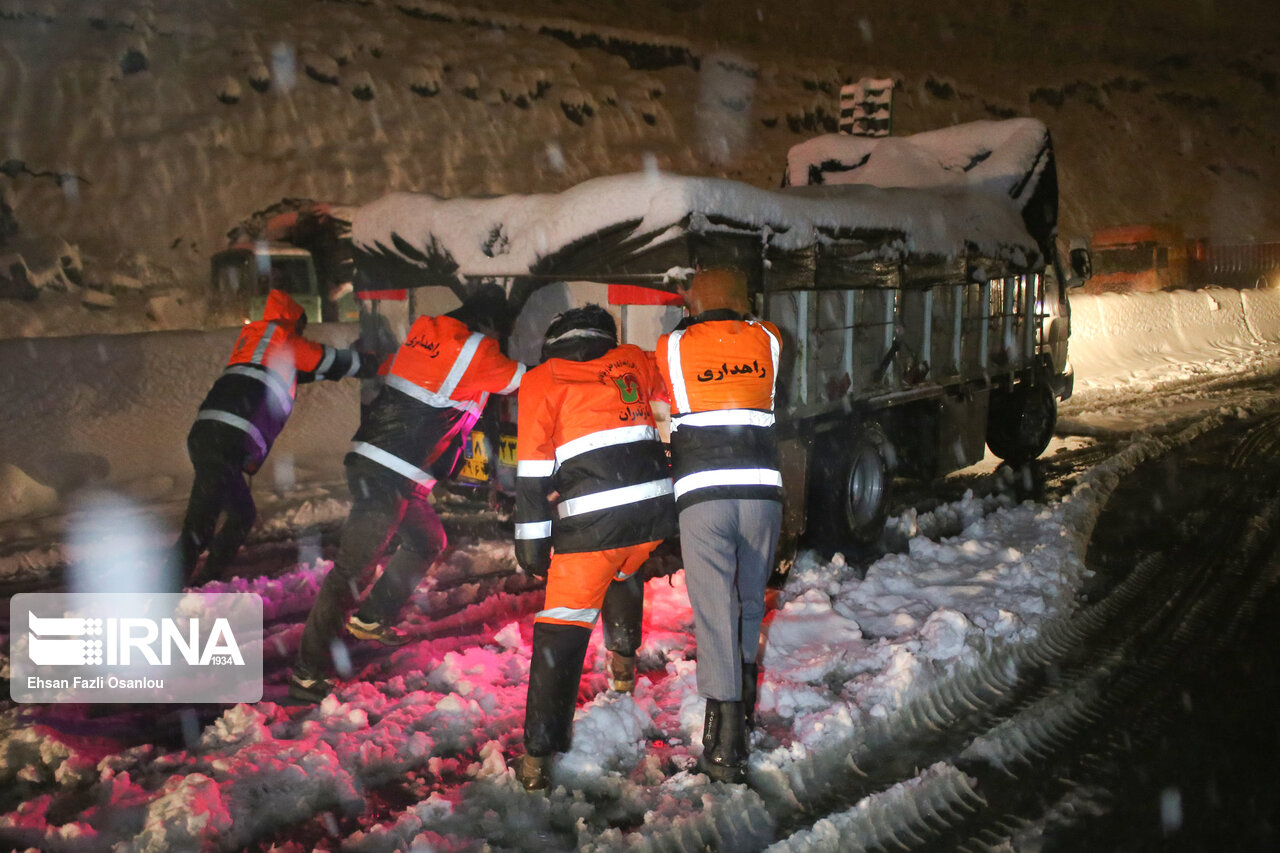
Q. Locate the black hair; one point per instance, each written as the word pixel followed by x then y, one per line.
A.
pixel 588 331
pixel 486 306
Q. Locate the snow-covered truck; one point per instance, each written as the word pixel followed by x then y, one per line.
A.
pixel 917 287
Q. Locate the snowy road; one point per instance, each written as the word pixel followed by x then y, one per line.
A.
pixel 898 688
pixel 1018 751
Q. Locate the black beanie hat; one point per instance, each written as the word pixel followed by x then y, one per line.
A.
pixel 589 321
pixel 485 306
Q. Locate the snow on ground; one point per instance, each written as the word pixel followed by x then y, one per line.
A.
pixel 439 717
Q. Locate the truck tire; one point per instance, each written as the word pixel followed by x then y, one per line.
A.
pixel 850 495
pixel 1020 421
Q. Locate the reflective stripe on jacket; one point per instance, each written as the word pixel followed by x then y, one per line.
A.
pixel 721 374
pixel 436 386
pixel 255 393
pixel 587 434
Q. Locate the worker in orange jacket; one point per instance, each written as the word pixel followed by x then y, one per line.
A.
pixel 239 420
pixel 593 499
pixel 411 436
pixel 720 366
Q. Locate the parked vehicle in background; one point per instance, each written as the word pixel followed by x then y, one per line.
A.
pixel 924 310
pixel 1149 258
pixel 1238 265
pixel 1138 259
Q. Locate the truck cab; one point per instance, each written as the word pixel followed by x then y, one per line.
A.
pixel 1138 259
pixel 243 274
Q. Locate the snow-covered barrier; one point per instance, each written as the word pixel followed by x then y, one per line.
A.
pixel 1119 336
pixel 112 412
pixel 1262 313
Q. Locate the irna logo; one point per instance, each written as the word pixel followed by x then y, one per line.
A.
pixel 136 647
pixel 76 641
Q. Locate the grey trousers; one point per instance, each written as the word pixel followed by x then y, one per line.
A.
pixel 728 549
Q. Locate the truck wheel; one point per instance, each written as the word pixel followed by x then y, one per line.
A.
pixel 1020 422
pixel 851 489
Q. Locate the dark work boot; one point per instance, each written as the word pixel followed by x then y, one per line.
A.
pixel 622 615
pixel 533 772
pixel 622 672
pixel 555 672
pixel 307 686
pixel 388 635
pixel 750 679
pixel 724 742
pixel 222 551
pixel 186 553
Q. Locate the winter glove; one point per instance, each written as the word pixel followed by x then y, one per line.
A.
pixel 534 556
pixel 538 571
pixel 369 364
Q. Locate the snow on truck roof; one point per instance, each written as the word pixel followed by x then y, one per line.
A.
pixel 988 156
pixel 639 226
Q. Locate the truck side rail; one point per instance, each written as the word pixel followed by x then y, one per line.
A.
pixel 898 340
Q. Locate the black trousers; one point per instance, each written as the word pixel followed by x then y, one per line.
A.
pixel 379 512
pixel 555 670
pixel 220 490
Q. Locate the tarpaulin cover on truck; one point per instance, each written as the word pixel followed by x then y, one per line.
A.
pixel 1012 159
pixel 972 198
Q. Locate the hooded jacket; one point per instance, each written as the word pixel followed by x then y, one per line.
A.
pixel 587 435
pixel 248 405
pixel 436 386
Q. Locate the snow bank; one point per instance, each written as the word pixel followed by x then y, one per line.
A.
pixel 1262 313
pixel 1123 337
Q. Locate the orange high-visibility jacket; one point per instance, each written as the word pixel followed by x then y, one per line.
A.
pixel 721 373
pixel 254 395
pixel 587 434
pixel 436 386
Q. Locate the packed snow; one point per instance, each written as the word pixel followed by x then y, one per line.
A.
pixel 846 648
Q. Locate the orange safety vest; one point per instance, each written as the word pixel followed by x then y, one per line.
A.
pixel 436 386
pixel 274 343
pixel 445 364
pixel 721 372
pixel 257 388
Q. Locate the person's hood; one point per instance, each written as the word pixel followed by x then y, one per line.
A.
pixel 281 308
